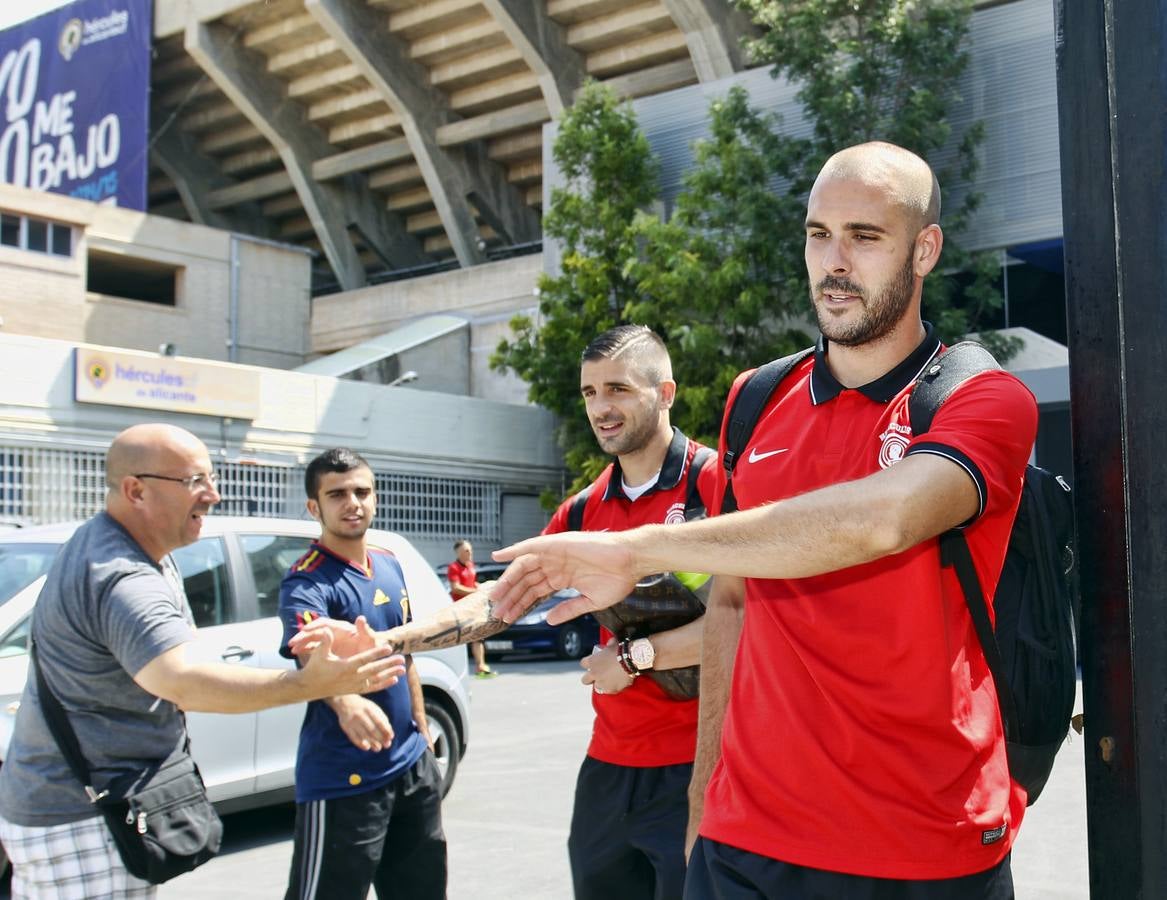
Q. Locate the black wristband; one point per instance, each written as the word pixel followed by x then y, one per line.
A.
pixel 625 658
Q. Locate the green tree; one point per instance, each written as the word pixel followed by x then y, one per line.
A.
pixel 609 176
pixel 885 70
pixel 715 280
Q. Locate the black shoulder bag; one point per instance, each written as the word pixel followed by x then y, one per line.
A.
pixel 160 818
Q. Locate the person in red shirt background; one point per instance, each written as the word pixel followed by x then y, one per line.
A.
pixel 463 580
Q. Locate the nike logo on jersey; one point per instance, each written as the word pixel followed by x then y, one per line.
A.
pixel 380 598
pixel 755 456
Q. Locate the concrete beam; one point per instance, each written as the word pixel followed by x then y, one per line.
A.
pixel 542 42
pixel 332 208
pixel 455 177
pixel 253 189
pixel 196 179
pixel 714 31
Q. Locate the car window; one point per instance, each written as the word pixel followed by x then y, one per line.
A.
pixel 21 565
pixel 204 573
pixel 15 642
pixel 270 556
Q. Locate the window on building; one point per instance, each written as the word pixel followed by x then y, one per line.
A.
pixel 131 278
pixel 37 235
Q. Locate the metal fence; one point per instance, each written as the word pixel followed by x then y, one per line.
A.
pixel 41 485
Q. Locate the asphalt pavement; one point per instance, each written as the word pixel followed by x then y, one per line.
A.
pixel 507 815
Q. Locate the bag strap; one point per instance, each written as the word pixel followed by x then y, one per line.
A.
pixel 954 552
pixel 945 374
pixel 936 384
pixel 747 408
pixel 575 512
pixel 62 731
pixel 693 497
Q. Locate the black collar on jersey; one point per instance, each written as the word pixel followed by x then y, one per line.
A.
pixel 824 387
pixel 670 470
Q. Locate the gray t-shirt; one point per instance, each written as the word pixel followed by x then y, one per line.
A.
pixel 106 610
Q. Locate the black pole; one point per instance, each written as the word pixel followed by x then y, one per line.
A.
pixel 1112 102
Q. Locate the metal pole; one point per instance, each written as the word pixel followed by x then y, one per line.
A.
pixel 1112 97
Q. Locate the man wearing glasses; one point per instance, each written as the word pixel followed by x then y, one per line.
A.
pixel 110 631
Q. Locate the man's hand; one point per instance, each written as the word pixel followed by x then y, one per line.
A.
pixel 599 566
pixel 363 722
pixel 348 638
pixel 328 675
pixel 604 671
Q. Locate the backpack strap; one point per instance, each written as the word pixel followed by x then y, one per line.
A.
pixel 945 374
pixel 954 552
pixel 747 408
pixel 575 512
pixel 936 384
pixel 693 499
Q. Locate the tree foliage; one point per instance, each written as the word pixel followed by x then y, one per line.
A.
pixel 723 277
pixel 886 70
pixel 717 277
pixel 609 175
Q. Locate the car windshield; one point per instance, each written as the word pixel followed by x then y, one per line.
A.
pixel 21 565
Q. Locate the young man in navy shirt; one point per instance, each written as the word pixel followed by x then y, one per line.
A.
pixel 368 799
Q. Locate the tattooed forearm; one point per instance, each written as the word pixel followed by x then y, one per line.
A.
pixel 468 620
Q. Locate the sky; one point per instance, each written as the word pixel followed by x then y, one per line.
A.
pixel 14 11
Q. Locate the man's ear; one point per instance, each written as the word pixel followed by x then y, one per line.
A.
pixel 668 393
pixel 313 508
pixel 131 489
pixel 926 253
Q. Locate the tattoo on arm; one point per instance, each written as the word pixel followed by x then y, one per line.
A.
pixel 470 619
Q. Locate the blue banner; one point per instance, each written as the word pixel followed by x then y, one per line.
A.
pixel 74 101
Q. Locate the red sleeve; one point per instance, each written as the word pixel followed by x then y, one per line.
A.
pixel 452 572
pixel 987 427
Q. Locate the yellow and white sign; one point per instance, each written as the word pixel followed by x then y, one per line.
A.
pixel 149 381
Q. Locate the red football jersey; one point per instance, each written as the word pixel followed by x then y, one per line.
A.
pixel 642 725
pixel 862 734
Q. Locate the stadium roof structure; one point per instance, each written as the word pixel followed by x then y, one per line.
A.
pixel 394 137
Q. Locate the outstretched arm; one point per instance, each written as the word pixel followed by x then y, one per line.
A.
pixel 470 619
pixel 821 531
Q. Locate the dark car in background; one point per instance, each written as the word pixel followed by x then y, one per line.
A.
pixel 531 633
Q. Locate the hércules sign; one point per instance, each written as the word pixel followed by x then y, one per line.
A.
pixel 74 100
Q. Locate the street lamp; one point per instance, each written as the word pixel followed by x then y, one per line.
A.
pixel 403 378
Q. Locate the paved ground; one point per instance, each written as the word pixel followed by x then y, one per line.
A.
pixel 507 815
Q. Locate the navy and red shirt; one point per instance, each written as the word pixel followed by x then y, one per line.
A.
pixel 461 573
pixel 321 583
pixel 862 733
pixel 642 725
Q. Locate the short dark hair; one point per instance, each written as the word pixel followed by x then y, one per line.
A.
pixel 458 544
pixel 338 459
pixel 641 343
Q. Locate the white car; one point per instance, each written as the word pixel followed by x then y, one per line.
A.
pixel 232 576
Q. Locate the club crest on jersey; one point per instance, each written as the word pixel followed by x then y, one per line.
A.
pixel 380 598
pixel 675 515
pixel 893 443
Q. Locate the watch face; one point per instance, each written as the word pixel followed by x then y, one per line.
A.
pixel 643 653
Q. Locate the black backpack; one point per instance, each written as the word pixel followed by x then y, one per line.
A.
pixel 1031 654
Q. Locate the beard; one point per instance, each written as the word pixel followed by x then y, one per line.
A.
pixel 633 437
pixel 881 313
